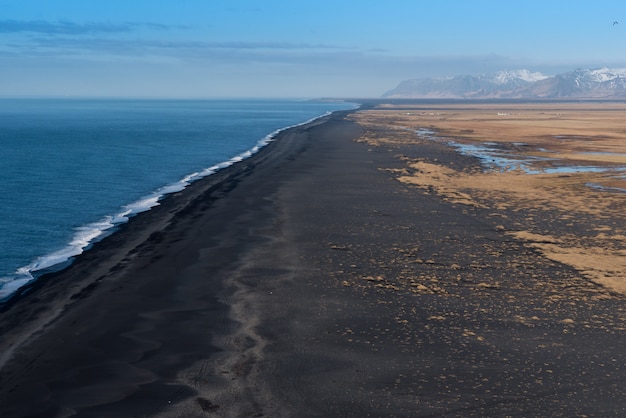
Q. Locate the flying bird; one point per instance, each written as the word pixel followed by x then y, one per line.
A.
pixel 615 23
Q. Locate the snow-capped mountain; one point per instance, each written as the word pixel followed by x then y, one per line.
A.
pixel 516 76
pixel 592 84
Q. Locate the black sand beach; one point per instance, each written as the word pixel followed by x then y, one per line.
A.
pixel 307 281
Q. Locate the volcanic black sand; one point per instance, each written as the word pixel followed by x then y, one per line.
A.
pixel 308 281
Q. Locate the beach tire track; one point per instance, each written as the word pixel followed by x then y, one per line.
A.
pixel 298 371
pixel 302 367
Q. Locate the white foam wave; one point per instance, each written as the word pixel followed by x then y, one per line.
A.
pixel 13 284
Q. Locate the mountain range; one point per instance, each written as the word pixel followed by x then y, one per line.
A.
pixel 600 83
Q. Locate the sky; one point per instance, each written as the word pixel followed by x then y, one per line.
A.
pixel 291 48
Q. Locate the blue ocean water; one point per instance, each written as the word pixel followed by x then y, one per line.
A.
pixel 72 169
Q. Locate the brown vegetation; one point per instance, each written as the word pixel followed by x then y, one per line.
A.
pixel 588 206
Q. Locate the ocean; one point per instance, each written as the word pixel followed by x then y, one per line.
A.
pixel 73 169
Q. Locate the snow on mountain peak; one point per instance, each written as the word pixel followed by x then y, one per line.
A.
pixel 503 77
pixel 606 74
pixel 581 83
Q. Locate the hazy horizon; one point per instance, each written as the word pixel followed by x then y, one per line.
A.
pixel 285 49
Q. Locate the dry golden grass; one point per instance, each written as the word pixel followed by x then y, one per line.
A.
pixel 574 128
pixel 570 134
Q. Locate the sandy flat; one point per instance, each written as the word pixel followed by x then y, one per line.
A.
pixel 346 270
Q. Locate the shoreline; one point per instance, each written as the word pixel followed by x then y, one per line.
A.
pixel 53 297
pixel 147 222
pixel 126 212
pixel 308 281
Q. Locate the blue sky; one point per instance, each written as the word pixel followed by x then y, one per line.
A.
pixel 292 48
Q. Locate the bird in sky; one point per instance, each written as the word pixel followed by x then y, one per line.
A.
pixel 615 23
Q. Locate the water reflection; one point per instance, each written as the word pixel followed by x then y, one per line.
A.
pixel 504 157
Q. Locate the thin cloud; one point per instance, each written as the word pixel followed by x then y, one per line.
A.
pixel 66 45
pixel 73 28
pixel 267 45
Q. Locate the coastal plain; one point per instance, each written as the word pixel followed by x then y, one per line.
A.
pixel 560 166
pixel 360 265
